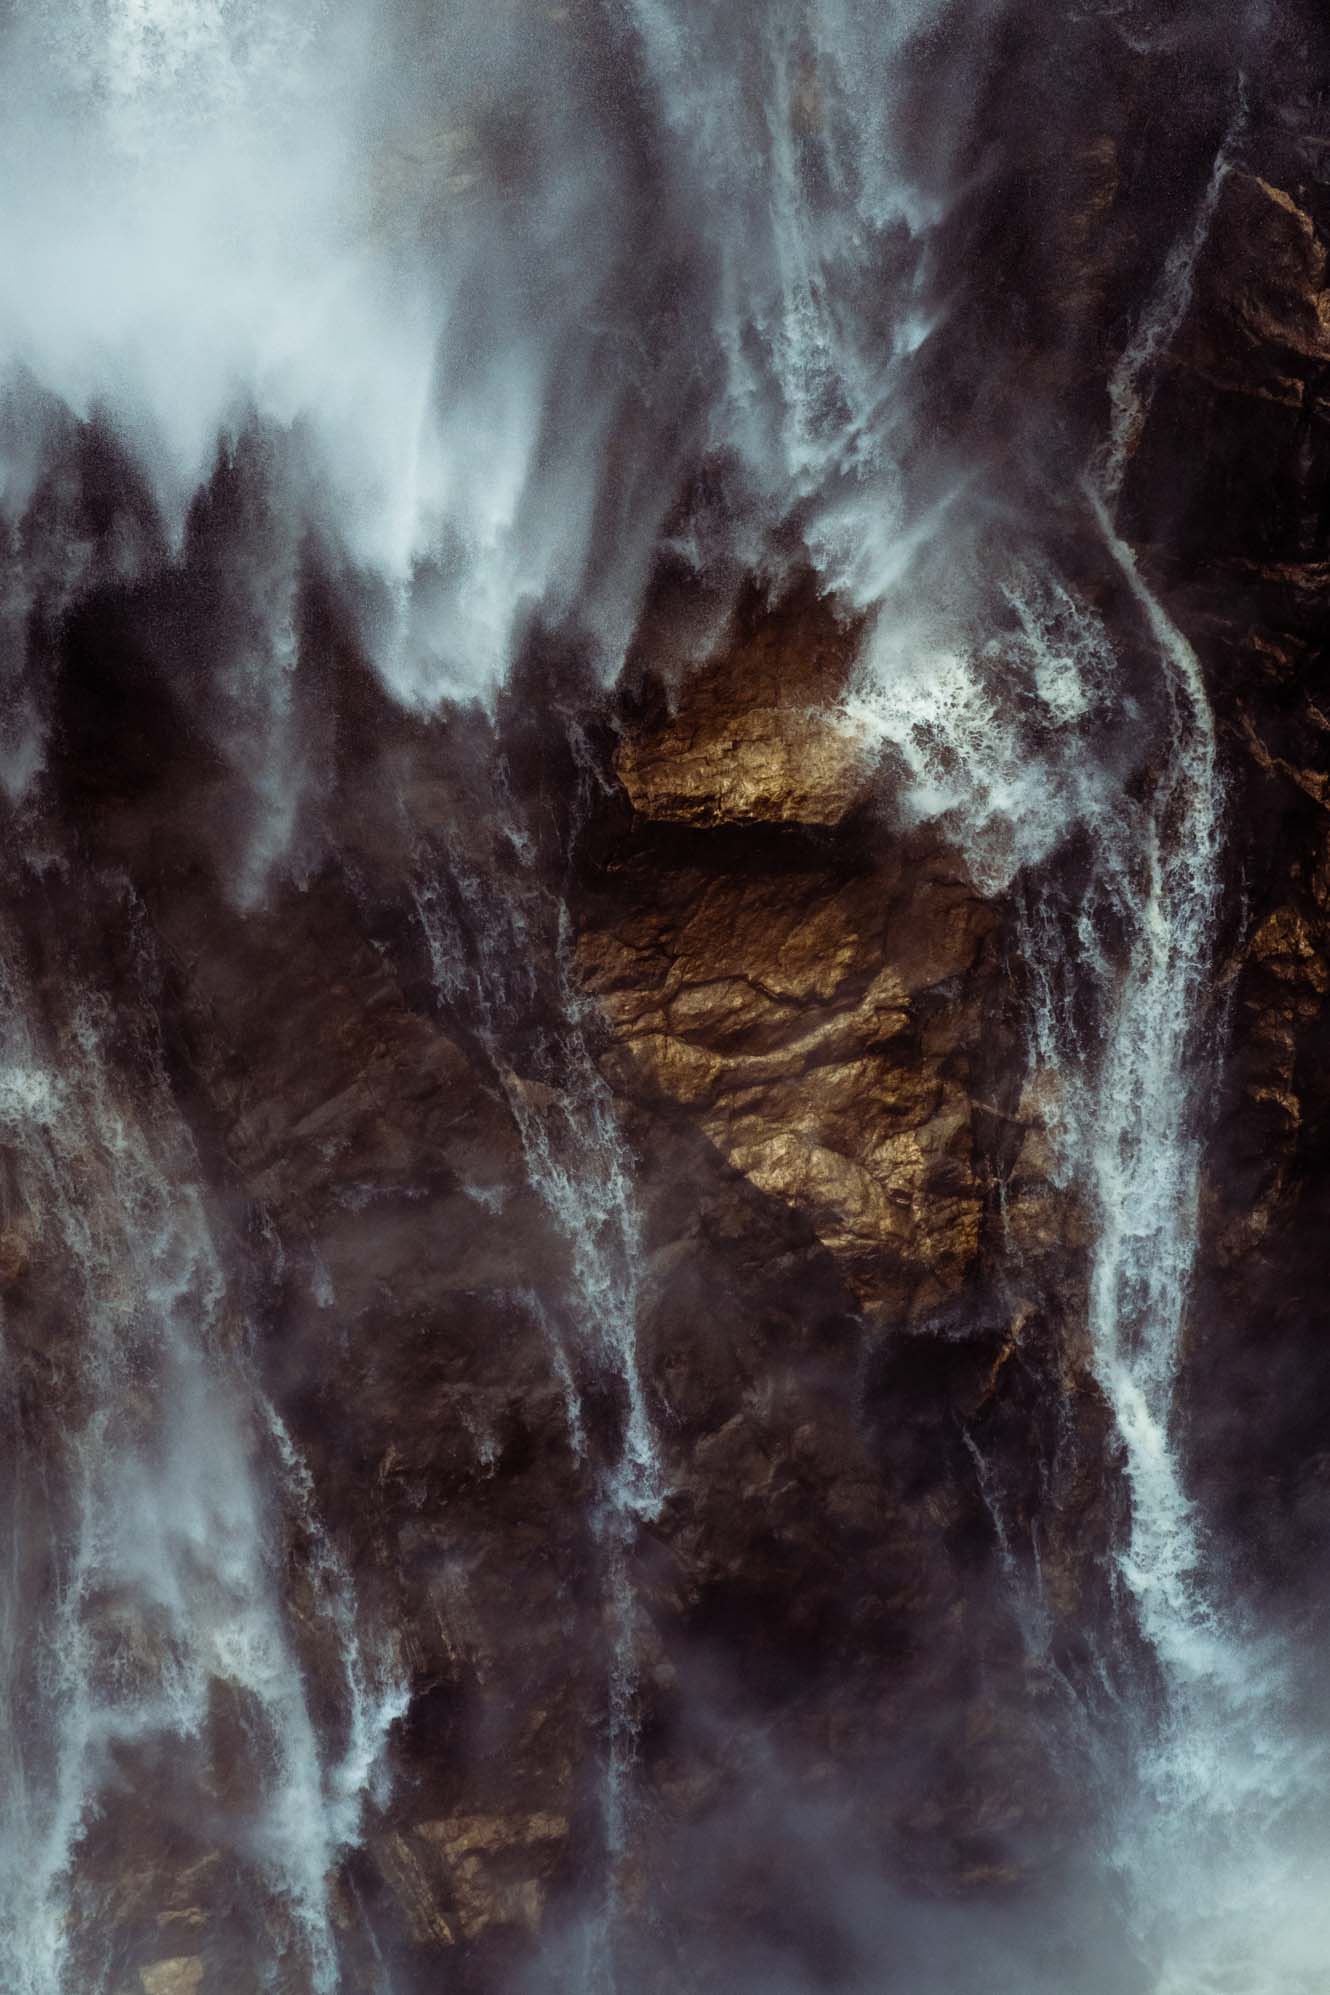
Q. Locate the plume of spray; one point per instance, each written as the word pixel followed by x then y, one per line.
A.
pixel 403 250
pixel 452 268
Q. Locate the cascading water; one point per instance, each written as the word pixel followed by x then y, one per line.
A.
pixel 1222 1893
pixel 1132 383
pixel 1214 1841
pixel 145 1590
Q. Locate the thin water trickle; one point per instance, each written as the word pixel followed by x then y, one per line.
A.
pixel 1132 384
pixel 483 963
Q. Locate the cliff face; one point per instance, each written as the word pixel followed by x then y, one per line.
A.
pixel 674 971
pixel 810 1039
pixel 809 1036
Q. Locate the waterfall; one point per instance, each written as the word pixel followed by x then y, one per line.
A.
pixel 1130 1119
pixel 1214 1842
pixel 147 1511
pixel 1210 1839
pixel 1016 743
pixel 372 358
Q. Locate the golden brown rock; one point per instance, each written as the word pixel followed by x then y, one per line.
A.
pixel 752 737
pixel 415 1886
pixel 785 1019
pixel 1042 1210
pixel 763 766
pixel 179 1976
pixel 490 1860
pixel 1285 945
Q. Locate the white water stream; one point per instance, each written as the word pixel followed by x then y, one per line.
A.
pixel 1222 1843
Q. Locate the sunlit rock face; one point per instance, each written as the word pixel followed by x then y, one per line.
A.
pixel 758 737
pixel 830 1063
pixel 581 1416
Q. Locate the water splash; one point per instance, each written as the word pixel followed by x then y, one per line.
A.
pixel 445 275
pixel 996 738
pixel 404 254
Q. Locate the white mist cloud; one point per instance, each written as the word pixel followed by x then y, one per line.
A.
pixel 211 210
pixel 507 271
